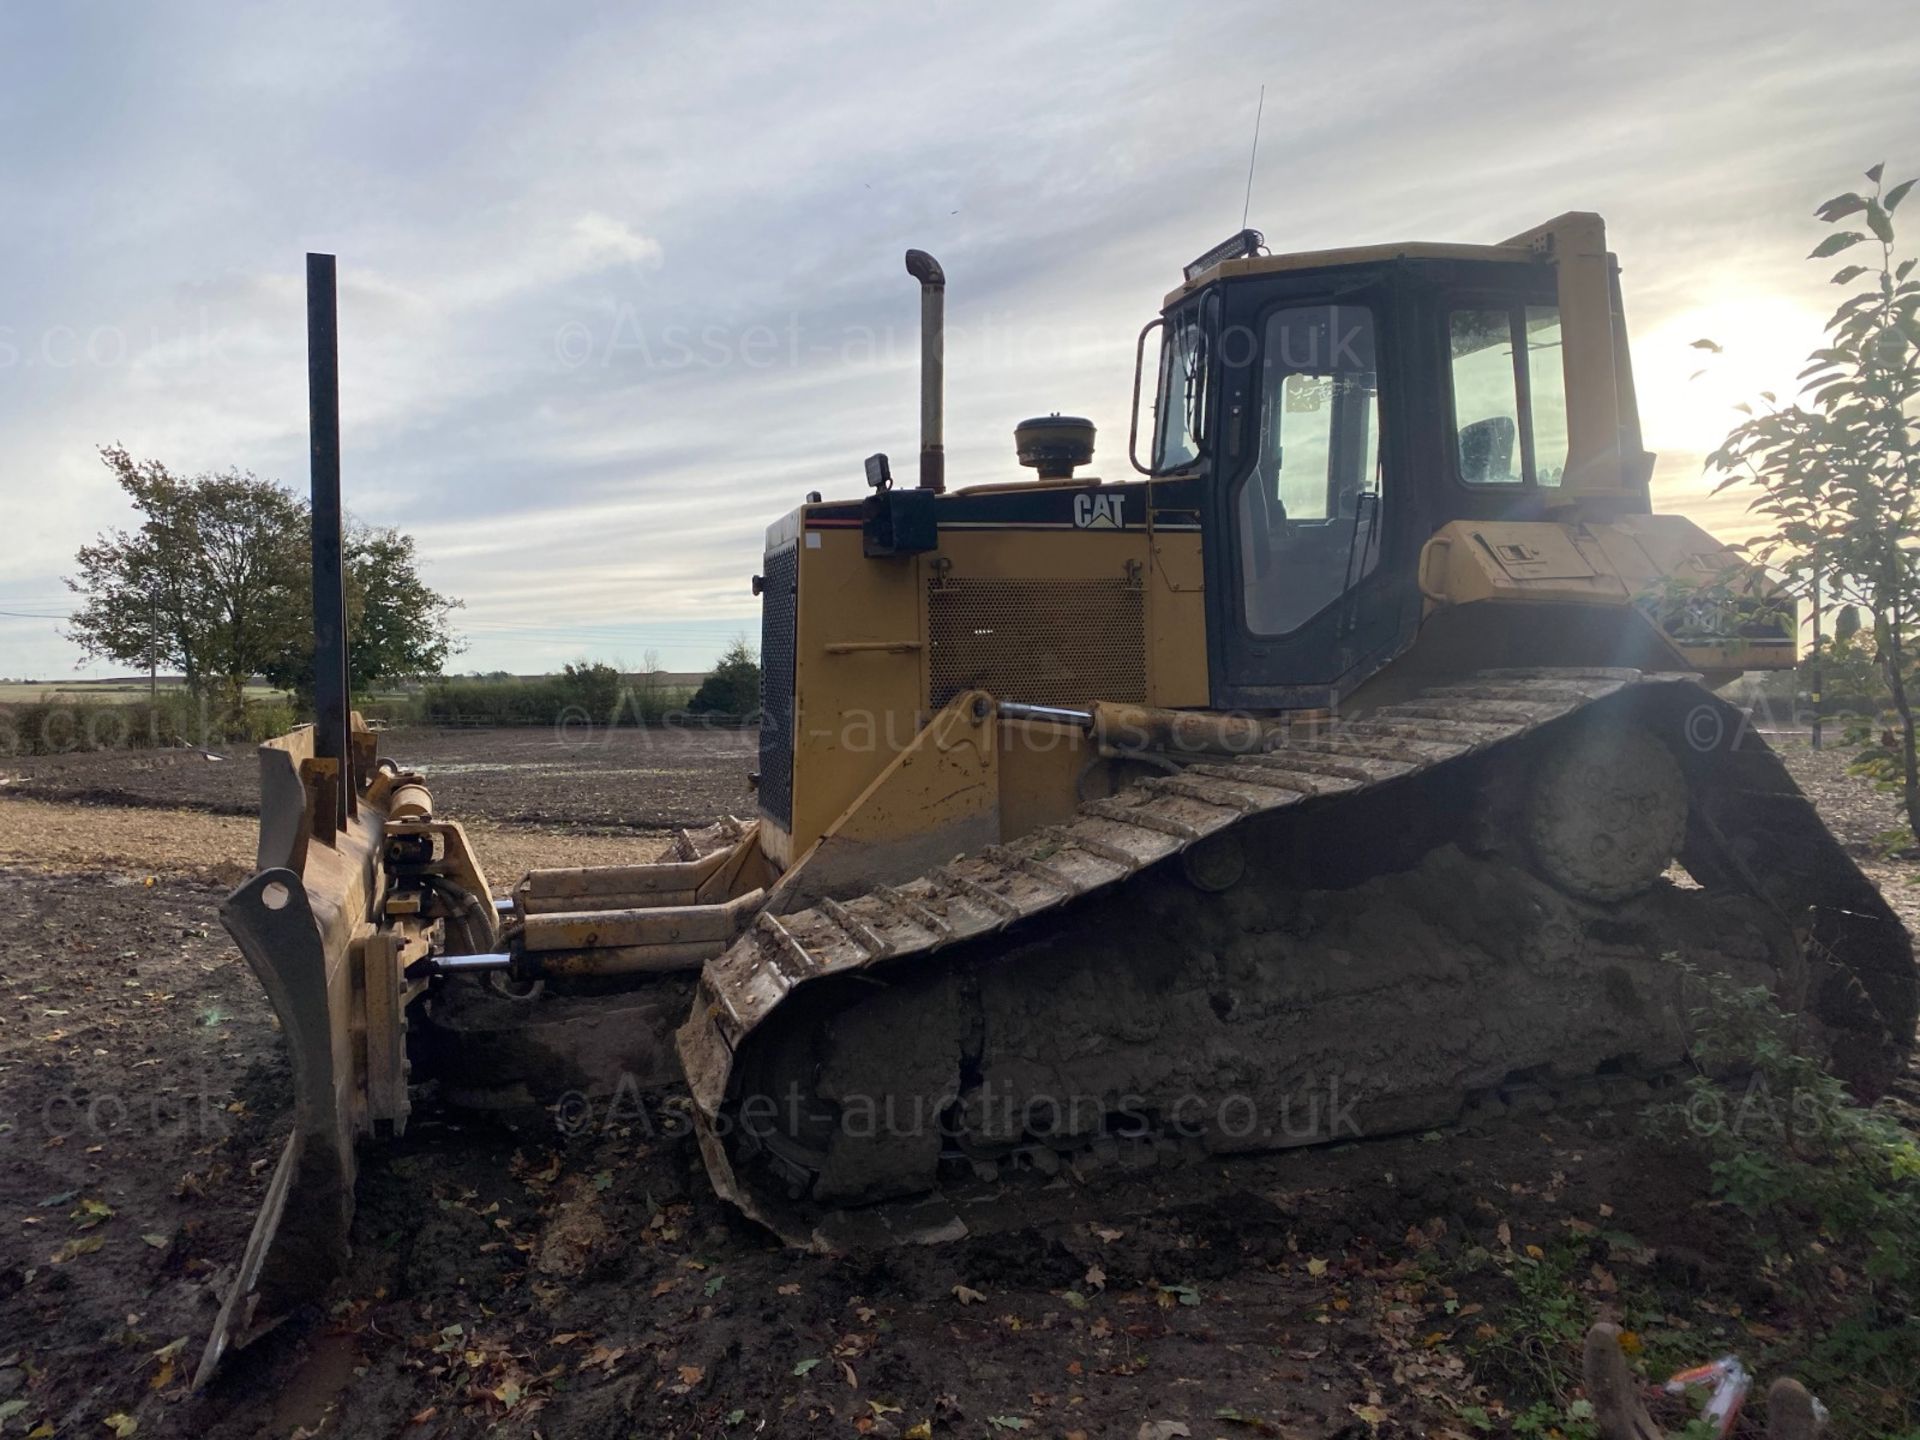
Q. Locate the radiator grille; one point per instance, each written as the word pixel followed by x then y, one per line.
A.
pixel 779 609
pixel 1048 642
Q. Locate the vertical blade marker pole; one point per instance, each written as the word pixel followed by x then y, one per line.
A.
pixel 331 702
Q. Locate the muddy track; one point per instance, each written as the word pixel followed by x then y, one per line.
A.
pixel 795 1007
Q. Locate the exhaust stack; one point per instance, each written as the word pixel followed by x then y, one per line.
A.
pixel 933 303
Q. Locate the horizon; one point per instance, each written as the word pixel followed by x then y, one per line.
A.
pixel 615 296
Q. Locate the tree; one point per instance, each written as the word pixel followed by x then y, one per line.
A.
pixel 398 627
pixel 734 686
pixel 216 583
pixel 1836 471
pixel 201 586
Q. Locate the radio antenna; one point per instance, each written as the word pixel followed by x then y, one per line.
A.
pixel 1259 110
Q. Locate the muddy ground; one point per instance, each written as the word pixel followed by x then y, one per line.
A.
pixel 588 1284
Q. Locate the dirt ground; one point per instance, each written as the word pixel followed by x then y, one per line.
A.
pixel 581 777
pixel 587 1283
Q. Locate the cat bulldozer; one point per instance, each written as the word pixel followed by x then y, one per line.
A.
pixel 1352 763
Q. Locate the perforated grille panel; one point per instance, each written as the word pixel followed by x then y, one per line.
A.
pixel 1048 642
pixel 779 610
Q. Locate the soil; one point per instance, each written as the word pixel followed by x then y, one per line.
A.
pixel 193 845
pixel 514 1275
pixel 642 779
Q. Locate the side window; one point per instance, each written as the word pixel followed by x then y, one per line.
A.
pixel 1486 397
pixel 1509 394
pixel 1547 394
pixel 1308 513
pixel 1180 406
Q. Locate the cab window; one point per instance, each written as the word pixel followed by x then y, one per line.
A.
pixel 1309 511
pixel 1509 394
pixel 1180 403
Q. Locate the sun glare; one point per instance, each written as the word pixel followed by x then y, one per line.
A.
pixel 1688 394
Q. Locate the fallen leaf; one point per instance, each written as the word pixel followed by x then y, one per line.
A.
pixel 605 1358
pixel 712 1287
pixel 1096 1278
pixel 786 1289
pixel 1074 1298
pixel 507 1392
pixel 1534 1252
pixel 1008 1422
pixel 805 1367
pixel 1372 1414
pixel 691 1374
pixel 10 1409
pixel 121 1423
pixel 1504 1234
pixel 79 1245
pixel 89 1213
pixel 967 1296
pixel 420 1417
pixel 920 1430
pixel 1161 1430
pixel 1109 1236
pixel 1255 1423
pixel 1316 1267
pixel 158 1242
pixel 163 1376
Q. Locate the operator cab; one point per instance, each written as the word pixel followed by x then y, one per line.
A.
pixel 1332 410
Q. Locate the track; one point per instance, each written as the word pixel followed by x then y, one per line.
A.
pixel 1339 937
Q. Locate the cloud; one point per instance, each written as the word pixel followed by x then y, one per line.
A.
pixel 619 286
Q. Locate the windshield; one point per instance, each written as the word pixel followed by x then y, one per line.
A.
pixel 1179 408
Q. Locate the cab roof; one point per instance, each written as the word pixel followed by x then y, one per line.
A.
pixel 1534 244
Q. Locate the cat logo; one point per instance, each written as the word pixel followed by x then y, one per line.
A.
pixel 1099 512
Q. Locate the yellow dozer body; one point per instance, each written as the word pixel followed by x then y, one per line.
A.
pixel 1353 762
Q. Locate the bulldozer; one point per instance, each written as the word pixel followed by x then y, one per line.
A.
pixel 1352 764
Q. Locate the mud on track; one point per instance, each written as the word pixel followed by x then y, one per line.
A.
pixel 587 1283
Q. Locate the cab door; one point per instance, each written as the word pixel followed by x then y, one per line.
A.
pixel 1311 510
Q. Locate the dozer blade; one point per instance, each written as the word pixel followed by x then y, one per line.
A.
pixel 304 923
pixel 1312 943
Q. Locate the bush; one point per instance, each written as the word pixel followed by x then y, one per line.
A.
pixel 66 727
pixel 589 692
pixel 734 686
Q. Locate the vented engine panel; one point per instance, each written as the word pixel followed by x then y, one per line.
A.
pixel 779 612
pixel 1048 642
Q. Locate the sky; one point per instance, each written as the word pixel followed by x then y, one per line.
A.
pixel 620 284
